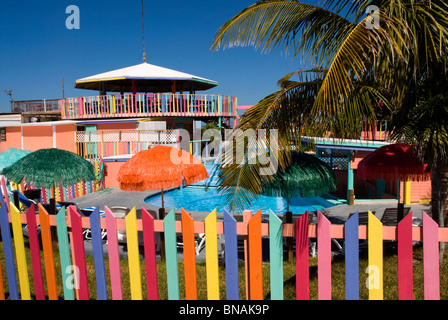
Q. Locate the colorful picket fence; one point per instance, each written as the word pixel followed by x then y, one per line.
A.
pixel 70 223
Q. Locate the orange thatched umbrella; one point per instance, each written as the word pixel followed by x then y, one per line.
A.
pixel 160 168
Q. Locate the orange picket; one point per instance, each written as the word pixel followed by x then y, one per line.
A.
pixel 255 258
pixel 47 247
pixel 191 292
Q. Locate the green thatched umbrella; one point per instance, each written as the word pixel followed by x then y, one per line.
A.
pixel 49 168
pixel 305 176
pixel 11 156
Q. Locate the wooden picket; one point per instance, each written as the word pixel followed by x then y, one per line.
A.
pixel 70 224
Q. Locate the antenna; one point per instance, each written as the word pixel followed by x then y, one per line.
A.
pixel 143 29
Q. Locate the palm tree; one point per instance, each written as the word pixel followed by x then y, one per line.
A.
pixel 423 122
pixel 357 67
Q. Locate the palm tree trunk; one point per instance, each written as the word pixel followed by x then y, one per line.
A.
pixel 439 206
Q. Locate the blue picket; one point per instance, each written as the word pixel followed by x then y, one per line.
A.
pixel 98 254
pixel 231 256
pixel 8 251
pixel 351 258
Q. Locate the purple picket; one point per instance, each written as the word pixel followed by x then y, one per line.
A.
pixel 430 258
pixel 98 254
pixel 8 251
pixel 323 257
pixel 150 255
pixel 231 256
pixel 404 244
pixel 351 248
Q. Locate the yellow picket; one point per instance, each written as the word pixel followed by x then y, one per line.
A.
pixel 133 255
pixel 374 280
pixel 19 245
pixel 211 256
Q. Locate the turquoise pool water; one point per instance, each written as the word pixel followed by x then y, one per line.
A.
pixel 197 198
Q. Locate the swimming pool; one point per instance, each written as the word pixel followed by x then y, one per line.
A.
pixel 197 198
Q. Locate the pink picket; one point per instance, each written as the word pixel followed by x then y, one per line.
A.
pixel 150 255
pixel 404 244
pixel 302 258
pixel 430 258
pixel 80 254
pixel 323 257
pixel 114 255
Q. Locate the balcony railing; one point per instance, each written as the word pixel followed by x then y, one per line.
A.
pixel 148 105
pixel 35 106
pixel 378 131
pixel 99 144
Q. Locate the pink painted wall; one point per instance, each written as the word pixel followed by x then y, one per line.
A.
pixel 420 190
pixel 37 137
pixel 111 172
pixel 40 137
pixel 12 139
pixel 354 160
pixel 65 137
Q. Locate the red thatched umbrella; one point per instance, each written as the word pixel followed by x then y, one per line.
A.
pixel 392 162
pixel 160 168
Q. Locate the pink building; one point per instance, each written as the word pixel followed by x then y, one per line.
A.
pixel 132 109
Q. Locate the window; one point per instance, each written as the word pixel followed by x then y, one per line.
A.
pixel 2 134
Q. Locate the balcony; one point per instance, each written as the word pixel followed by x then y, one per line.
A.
pixel 148 105
pixel 107 143
pixel 35 106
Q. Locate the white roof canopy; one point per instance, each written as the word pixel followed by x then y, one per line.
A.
pixel 146 78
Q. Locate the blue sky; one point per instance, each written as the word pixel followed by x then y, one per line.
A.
pixel 37 50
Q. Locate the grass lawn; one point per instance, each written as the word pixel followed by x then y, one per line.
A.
pixel 338 277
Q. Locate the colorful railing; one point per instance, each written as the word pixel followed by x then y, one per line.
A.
pixel 70 224
pixel 148 105
pixel 377 131
pixel 99 144
pixel 62 193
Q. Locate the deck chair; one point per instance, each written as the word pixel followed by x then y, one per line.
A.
pixel 363 217
pixel 389 217
pixel 120 213
pixel 24 200
pixel 87 233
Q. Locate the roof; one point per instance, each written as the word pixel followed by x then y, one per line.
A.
pixel 345 144
pixel 148 76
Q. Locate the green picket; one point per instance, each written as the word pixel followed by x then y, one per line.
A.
pixel 276 256
pixel 172 272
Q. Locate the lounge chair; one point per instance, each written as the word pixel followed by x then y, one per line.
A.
pixel 120 213
pixel 389 217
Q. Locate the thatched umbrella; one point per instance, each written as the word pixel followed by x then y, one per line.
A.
pixel 305 176
pixel 394 162
pixel 159 168
pixel 47 168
